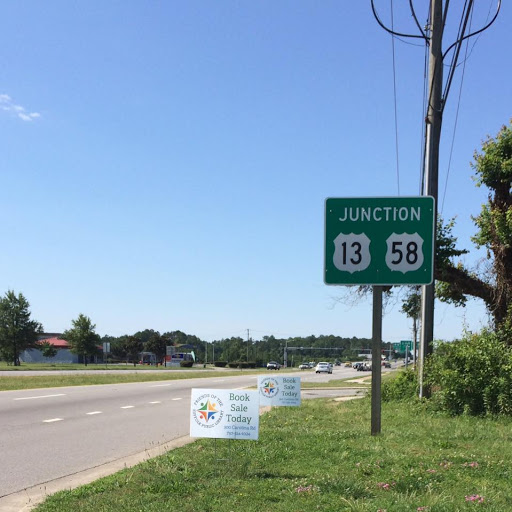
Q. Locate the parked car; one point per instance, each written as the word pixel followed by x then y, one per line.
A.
pixel 323 368
pixel 304 366
pixel 273 365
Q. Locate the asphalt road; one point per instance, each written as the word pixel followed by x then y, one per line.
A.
pixel 50 433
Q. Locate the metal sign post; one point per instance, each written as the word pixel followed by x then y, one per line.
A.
pixel 376 367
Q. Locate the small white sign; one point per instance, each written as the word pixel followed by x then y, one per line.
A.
pixel 281 391
pixel 224 414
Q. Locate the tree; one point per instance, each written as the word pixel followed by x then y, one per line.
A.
pixel 17 331
pixel 411 306
pixel 47 349
pixel 158 345
pixel 493 169
pixel 177 337
pixel 81 337
pixel 145 335
pixel 132 347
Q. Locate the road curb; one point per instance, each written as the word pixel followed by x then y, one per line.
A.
pixel 29 498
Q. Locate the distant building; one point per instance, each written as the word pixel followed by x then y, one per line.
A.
pixel 64 355
pixel 176 355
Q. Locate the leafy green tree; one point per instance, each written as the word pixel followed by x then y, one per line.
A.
pixel 17 331
pixel 47 349
pixel 493 169
pixel 145 335
pixel 411 306
pixel 132 347
pixel 82 338
pixel 158 345
pixel 177 337
pixel 117 347
pixel 473 375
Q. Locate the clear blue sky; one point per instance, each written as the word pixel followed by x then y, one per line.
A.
pixel 165 164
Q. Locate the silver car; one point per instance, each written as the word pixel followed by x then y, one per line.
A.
pixel 323 368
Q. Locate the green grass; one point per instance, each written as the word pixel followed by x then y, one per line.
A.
pixel 338 383
pixel 77 367
pixel 321 457
pixel 82 379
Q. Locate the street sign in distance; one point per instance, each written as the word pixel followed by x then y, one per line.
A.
pixel 379 240
pixel 405 345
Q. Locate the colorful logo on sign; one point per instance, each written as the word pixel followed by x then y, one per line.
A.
pixel 207 410
pixel 269 388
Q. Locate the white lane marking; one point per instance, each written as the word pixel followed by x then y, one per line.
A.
pixel 161 385
pixel 177 399
pixel 93 412
pixel 52 420
pixel 128 407
pixel 220 380
pixel 40 396
pixel 157 402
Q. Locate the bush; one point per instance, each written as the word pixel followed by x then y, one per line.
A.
pixel 403 387
pixel 220 364
pixel 472 375
pixel 233 365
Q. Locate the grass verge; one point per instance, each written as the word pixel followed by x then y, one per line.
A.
pixel 56 381
pixel 320 456
pixel 79 367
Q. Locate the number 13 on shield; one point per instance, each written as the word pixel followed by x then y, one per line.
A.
pixel 352 252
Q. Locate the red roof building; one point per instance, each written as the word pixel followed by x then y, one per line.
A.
pixel 56 342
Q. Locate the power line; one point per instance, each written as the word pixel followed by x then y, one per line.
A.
pixel 423 141
pixel 394 99
pixel 455 127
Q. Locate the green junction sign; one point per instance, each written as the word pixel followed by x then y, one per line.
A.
pixel 379 240
pixel 405 345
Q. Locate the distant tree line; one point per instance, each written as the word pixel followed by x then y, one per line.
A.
pixel 18 332
pixel 236 349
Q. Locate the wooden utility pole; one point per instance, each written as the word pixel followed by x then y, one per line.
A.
pixel 433 136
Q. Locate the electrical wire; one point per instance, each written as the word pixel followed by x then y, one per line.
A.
pixel 408 42
pixel 455 125
pixel 468 9
pixel 457 45
pixel 422 36
pixel 498 8
pixel 467 56
pixel 394 99
pixel 423 141
pixel 413 12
